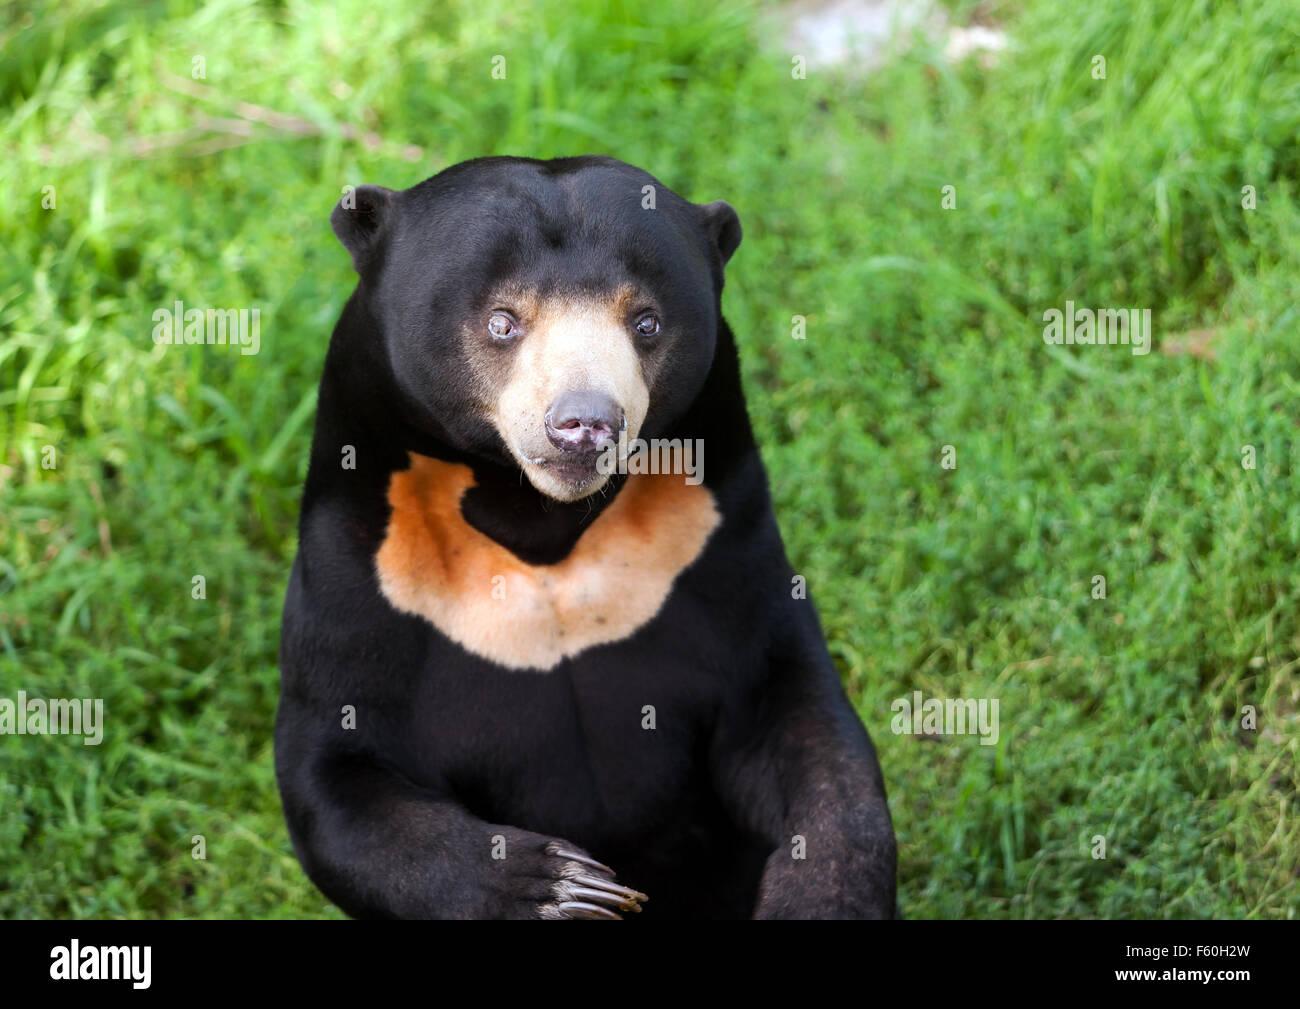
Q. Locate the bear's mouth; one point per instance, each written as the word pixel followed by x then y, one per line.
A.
pixel 576 467
pixel 577 472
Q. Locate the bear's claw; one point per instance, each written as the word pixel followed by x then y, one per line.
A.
pixel 559 852
pixel 581 893
pixel 579 909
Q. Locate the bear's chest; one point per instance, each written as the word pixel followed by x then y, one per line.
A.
pixel 435 565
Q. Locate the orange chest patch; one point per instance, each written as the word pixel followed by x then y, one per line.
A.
pixel 434 564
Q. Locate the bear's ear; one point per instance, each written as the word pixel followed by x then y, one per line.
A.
pixel 358 219
pixel 722 226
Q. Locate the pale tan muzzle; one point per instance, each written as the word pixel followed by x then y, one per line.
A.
pixel 568 345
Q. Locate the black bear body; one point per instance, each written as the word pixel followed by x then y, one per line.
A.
pixel 504 668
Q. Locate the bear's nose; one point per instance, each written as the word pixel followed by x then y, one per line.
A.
pixel 581 421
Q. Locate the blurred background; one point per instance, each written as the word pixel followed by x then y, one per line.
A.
pixel 163 152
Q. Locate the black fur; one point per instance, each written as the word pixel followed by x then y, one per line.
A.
pixel 755 740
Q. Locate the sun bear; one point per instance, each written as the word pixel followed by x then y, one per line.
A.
pixel 542 653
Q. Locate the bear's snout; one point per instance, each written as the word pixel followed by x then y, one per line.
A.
pixel 583 420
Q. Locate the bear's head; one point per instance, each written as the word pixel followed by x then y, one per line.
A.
pixel 533 311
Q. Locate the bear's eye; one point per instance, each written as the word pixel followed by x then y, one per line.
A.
pixel 501 326
pixel 648 324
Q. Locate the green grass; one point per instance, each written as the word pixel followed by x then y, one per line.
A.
pixel 1119 717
